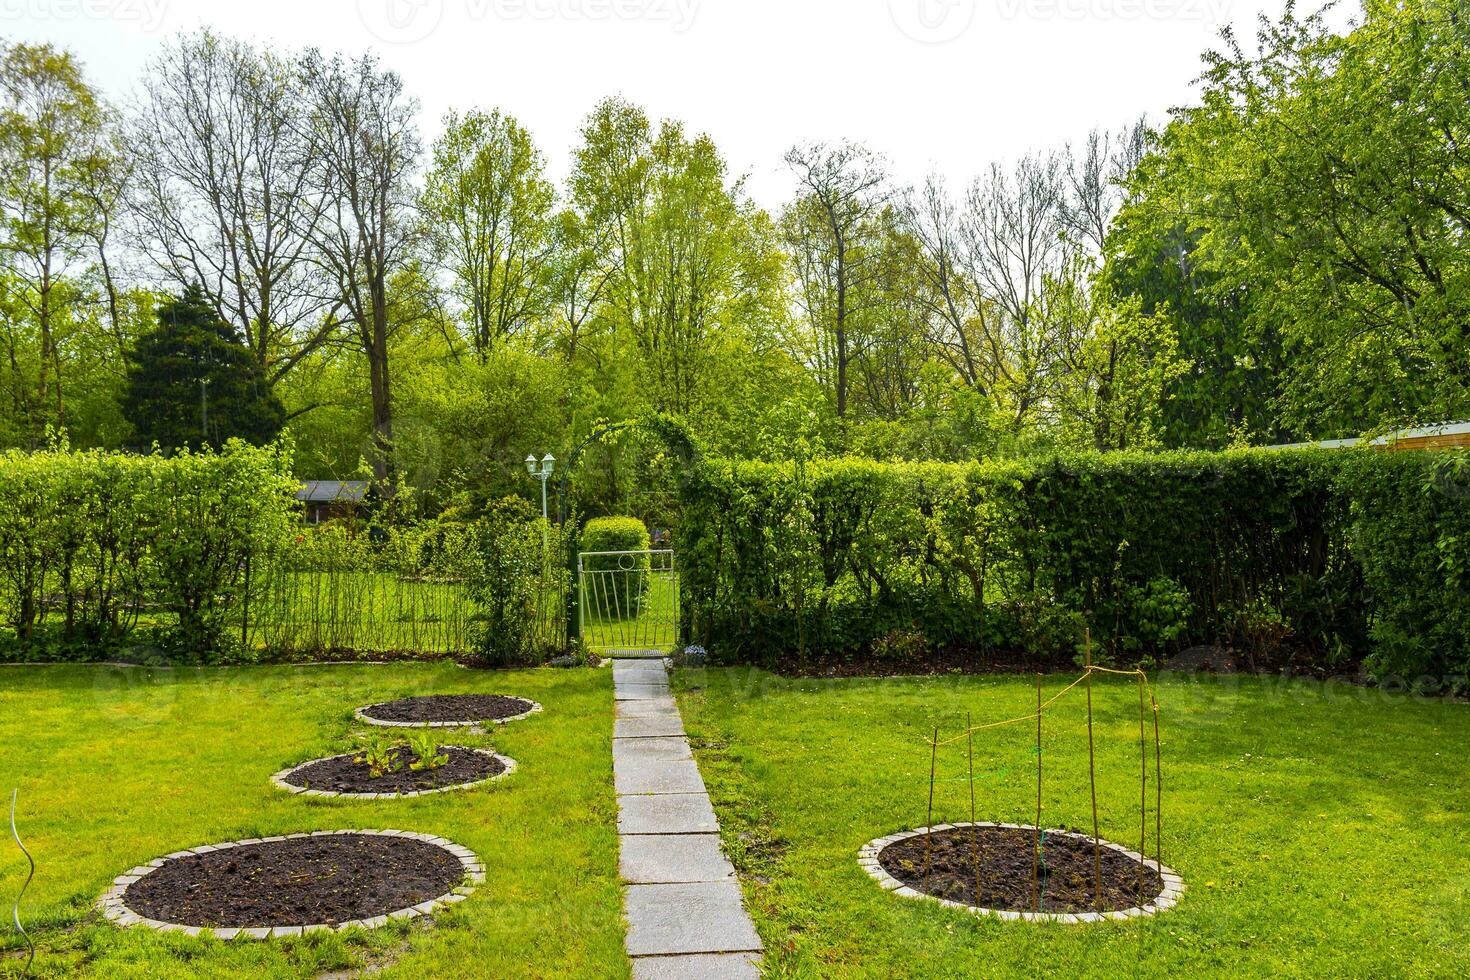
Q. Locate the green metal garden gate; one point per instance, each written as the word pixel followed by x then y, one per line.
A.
pixel 629 600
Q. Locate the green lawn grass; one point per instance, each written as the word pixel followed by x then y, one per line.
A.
pixel 1320 831
pixel 117 766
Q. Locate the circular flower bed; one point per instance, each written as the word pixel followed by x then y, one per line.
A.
pixel 344 776
pixel 447 710
pixel 996 869
pixel 286 886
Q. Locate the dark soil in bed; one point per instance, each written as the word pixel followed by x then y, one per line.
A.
pixel 301 881
pixel 1067 874
pixel 465 708
pixel 342 775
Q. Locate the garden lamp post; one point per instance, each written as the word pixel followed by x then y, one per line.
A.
pixel 542 472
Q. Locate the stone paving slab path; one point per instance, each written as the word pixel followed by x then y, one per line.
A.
pixel 641 672
pixel 706 966
pixel 660 707
pixel 664 859
pixel 685 917
pixel 655 727
pixel 665 749
pixel 692 917
pixel 645 776
pixel 671 813
pixel 642 692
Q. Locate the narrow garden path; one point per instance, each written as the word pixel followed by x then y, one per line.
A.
pixel 685 917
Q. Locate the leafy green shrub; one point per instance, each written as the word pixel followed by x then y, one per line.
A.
pixel 900 645
pixel 618 582
pixel 1159 614
pixel 503 582
pixel 1261 630
pixel 73 546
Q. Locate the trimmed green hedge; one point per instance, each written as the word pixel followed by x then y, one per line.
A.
pixel 623 580
pixel 1312 557
pixel 101 551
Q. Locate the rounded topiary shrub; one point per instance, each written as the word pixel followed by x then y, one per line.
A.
pixel 616 583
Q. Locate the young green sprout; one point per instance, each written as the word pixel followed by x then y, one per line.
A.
pixel 425 748
pixel 380 756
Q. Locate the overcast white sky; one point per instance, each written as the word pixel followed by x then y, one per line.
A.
pixel 942 84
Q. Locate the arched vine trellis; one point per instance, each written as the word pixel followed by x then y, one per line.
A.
pixel 680 443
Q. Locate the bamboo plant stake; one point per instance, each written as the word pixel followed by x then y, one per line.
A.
pixel 1158 794
pixel 929 822
pixel 974 830
pixel 1142 786
pixel 1036 851
pixel 1092 782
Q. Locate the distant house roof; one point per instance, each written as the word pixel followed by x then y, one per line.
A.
pixel 331 491
pixel 1445 435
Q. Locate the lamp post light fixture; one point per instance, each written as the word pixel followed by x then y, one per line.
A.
pixel 541 471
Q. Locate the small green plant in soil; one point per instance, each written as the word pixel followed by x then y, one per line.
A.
pixel 425 748
pixel 380 756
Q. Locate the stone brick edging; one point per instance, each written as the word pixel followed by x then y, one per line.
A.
pixel 358 714
pixel 115 908
pixel 279 779
pixel 1166 899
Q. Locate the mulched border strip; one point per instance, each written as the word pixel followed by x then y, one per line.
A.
pixel 279 779
pixel 1166 899
pixel 367 720
pixel 115 909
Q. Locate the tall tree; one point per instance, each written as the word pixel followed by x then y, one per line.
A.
pixel 1013 228
pixel 1117 364
pixel 364 146
pixel 956 306
pixel 1319 189
pixel 51 148
pixel 690 277
pixel 1235 367
pixel 579 277
pixel 896 336
pixel 224 191
pixel 192 381
pixel 830 231
pixel 1097 183
pixel 487 206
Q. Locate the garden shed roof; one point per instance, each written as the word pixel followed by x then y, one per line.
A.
pixel 329 491
pixel 1445 435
